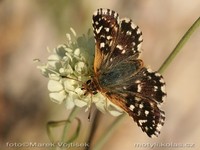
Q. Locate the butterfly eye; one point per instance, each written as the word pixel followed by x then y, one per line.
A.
pixel 88 82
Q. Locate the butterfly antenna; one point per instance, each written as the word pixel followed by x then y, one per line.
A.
pixel 65 77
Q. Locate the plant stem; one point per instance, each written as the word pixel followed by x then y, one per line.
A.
pixel 114 125
pixel 95 124
pixel 108 132
pixel 67 125
pixel 179 46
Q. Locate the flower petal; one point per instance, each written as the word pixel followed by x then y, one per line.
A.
pixel 80 103
pixel 81 68
pixel 57 97
pixel 77 52
pixel 70 84
pixel 54 86
pixel 70 101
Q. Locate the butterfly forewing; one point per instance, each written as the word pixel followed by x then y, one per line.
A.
pixel 120 75
pixel 128 42
pixel 116 39
pixel 105 26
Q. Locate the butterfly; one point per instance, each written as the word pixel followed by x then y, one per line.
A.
pixel 121 76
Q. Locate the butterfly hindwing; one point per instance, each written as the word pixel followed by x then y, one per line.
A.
pixel 143 98
pixel 148 83
pixel 139 92
pixel 145 112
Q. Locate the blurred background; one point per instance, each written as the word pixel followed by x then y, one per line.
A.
pixel 28 27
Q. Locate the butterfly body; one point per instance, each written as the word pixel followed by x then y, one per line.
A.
pixel 121 76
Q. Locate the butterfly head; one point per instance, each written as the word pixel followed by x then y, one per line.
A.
pixel 90 87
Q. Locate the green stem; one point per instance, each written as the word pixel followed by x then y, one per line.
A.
pixel 93 130
pixel 67 125
pixel 102 140
pixel 179 46
pixel 108 132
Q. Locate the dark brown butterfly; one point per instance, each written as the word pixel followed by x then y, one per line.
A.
pixel 120 76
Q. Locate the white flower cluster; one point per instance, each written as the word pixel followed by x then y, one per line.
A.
pixel 68 68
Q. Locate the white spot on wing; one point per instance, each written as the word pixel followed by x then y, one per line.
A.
pixel 124 87
pixel 109 37
pixel 146 112
pixel 162 80
pixel 115 15
pixel 128 32
pixel 153 136
pixel 133 26
pixel 119 47
pixel 96 22
pixel 163 89
pixel 138 31
pixel 139 88
pixel 98 30
pixel 137 98
pixel 157 133
pixel 102 45
pixel 149 77
pixel 164 98
pixel 157 74
pixel 107 29
pixel 141 106
pixel 139 113
pixel 149 70
pixel 131 107
pixel 142 121
pixel 137 81
pixel 159 126
pixel 155 88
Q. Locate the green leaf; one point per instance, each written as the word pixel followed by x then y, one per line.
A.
pixel 76 133
pixel 55 124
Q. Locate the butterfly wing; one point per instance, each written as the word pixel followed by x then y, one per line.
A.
pixel 121 76
pixel 144 112
pixel 140 96
pixel 116 40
